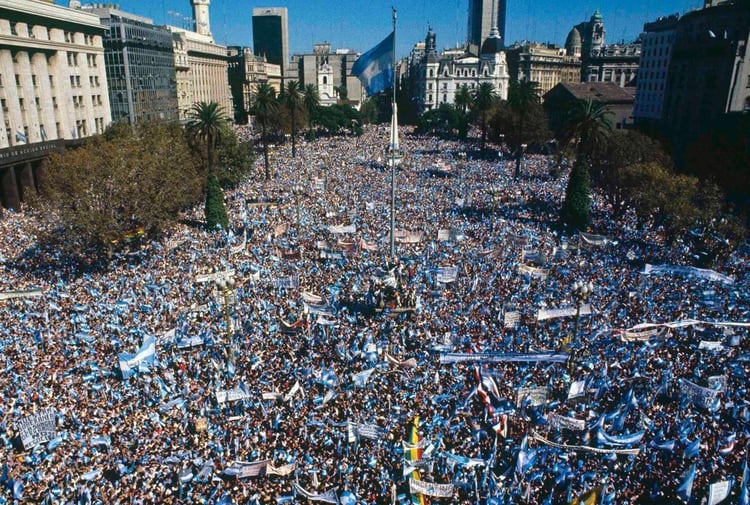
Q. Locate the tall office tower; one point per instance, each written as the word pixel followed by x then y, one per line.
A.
pixel 200 16
pixel 483 16
pixel 271 35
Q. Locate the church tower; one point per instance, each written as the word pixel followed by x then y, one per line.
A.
pixel 200 16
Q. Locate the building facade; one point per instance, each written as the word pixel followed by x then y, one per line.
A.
pixel 246 73
pixel 330 72
pixel 709 71
pixel 53 87
pixel 615 63
pixel 543 64
pixel 271 35
pixel 139 59
pixel 619 101
pixel 484 15
pixel 653 68
pixel 437 76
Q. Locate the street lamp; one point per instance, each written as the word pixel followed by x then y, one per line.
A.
pixel 519 157
pixel 297 191
pixel 580 291
pixel 226 285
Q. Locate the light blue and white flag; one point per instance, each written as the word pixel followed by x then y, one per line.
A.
pixel 686 487
pixel 375 67
pixel 744 491
pixel 129 363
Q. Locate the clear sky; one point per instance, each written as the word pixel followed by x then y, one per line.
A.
pixel 360 24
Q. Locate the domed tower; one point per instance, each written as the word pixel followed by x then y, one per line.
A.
pixel 573 43
pixel 597 31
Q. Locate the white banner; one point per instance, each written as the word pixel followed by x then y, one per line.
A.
pixel 592 239
pixel 511 319
pixel 282 470
pixel 642 336
pixel 700 396
pixel 693 272
pixel 532 271
pixel 408 237
pixel 568 423
pixel 718 492
pixel 540 438
pixel 445 275
pixel 369 431
pixel 24 293
pixel 245 469
pixel 342 229
pixel 36 428
pixel 330 496
pixel 430 489
pixel 536 396
pixel 710 345
pixel 214 277
pixel 286 282
pixel 232 395
pixel 562 312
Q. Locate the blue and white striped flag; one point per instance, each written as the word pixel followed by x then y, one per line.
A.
pixel 686 487
pixel 375 67
pixel 129 363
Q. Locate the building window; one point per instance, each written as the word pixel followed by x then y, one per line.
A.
pixel 4 104
pixel 746 108
pixel 20 104
pixel 445 98
pixel 13 28
pixel 54 102
pixel 325 79
pixel 18 80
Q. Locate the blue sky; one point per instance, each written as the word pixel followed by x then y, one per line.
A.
pixel 361 24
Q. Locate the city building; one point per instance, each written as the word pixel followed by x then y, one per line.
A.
pixel 484 15
pixel 543 64
pixel 653 69
pixel 53 87
pixel 616 63
pixel 437 76
pixel 619 101
pixel 709 70
pixel 246 73
pixel 139 60
pixel 271 35
pixel 201 65
pixel 331 73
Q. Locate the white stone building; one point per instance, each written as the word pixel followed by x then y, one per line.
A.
pixel 437 77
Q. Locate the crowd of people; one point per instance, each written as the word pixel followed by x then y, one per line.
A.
pixel 521 394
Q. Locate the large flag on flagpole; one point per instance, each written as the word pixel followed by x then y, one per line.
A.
pixel 375 67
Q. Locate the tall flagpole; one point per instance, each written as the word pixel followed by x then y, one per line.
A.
pixel 394 147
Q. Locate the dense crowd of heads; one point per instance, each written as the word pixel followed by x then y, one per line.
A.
pixel 298 338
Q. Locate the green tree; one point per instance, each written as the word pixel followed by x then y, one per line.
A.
pixel 521 120
pixel 264 107
pixel 588 125
pixel 576 207
pixel 294 103
pixel 464 100
pixel 216 212
pixel 311 100
pixel 121 184
pixel 445 121
pixel 234 159
pixel 206 123
pixel 484 98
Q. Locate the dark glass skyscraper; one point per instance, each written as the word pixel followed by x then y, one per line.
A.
pixel 271 35
pixel 483 16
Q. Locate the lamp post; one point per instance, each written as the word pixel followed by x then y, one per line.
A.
pixel 519 158
pixel 226 285
pixel 580 291
pixel 297 191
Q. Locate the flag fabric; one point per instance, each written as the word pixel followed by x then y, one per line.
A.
pixel 686 487
pixel 375 67
pixel 129 363
pixel 590 497
pixel 501 428
pixel 719 491
pixel 412 455
pixel 744 491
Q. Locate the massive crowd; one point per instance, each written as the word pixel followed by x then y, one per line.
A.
pixel 278 388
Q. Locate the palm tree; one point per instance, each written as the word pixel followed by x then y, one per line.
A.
pixel 207 119
pixel 463 98
pixel 484 97
pixel 293 101
pixel 311 101
pixel 264 106
pixel 206 122
pixel 589 126
pixel 522 97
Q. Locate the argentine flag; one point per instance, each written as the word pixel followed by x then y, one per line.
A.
pixel 375 68
pixel 130 363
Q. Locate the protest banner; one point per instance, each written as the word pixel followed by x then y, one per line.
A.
pixel 534 396
pixel 37 428
pixel 568 423
pixel 24 293
pixel 430 489
pixel 543 314
pixel 214 277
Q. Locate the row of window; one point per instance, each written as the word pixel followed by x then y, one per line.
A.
pixel 42 31
pixel 73 59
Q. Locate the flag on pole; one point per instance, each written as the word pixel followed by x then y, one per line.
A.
pixel 375 67
pixel 686 487
pixel 413 440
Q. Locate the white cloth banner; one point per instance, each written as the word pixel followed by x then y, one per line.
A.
pixel 25 293
pixel 511 319
pixel 568 423
pixel 37 428
pixel 369 431
pixel 408 237
pixel 710 345
pixel 535 396
pixel 245 469
pixel 682 323
pixel 703 397
pixel 578 388
pixel 232 395
pixel 718 492
pixel 445 275
pixel 592 239
pixel 532 271
pixel 536 436
pixel 330 496
pixel 342 229
pixel 282 470
pixel 562 312
pixel 693 272
pixel 430 489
